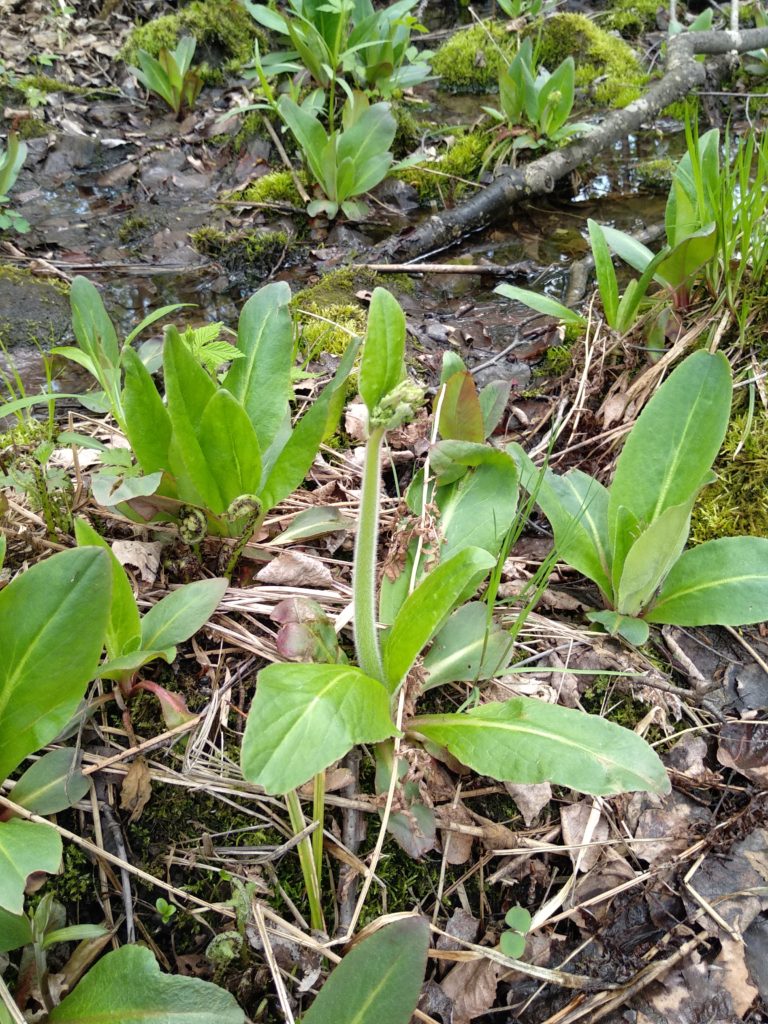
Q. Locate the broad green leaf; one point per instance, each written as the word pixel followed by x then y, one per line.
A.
pixel 651 557
pixel 479 509
pixel 147 423
pixel 381 366
pixel 518 918
pixel 74 933
pixel 230 447
pixel 541 303
pixel 305 717
pixel 314 522
pixel 722 582
pixel 556 97
pixel 367 145
pixel 261 382
pixel 15 931
pixel 53 783
pixel 467 648
pixel 526 740
pixel 93 328
pixel 493 404
pixel 123 625
pixel 118 668
pixel 627 248
pixel 634 630
pixel 688 256
pixel 188 390
pixel 292 464
pixel 423 613
pixel 379 980
pixel 461 416
pixel 43 673
pixel 606 275
pixel 181 613
pixel 25 847
pixel 126 986
pixel 113 488
pixel 308 132
pixel 576 506
pixel 673 443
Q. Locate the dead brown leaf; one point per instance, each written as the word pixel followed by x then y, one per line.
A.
pixel 472 988
pixel 296 569
pixel 136 789
pixel 142 555
pixel 530 799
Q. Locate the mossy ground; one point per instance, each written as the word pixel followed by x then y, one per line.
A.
pixel 224 31
pixel 448 177
pixel 255 252
pixel 276 187
pixel 656 175
pixel 737 503
pixel 470 60
pixel 607 69
pixel 631 17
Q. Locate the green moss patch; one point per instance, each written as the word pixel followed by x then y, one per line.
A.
pixel 224 31
pixel 632 17
pixel 446 178
pixel 471 59
pixel 257 252
pixel 276 187
pixel 606 67
pixel 737 503
pixel 656 175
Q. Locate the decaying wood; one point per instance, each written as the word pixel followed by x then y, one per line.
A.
pixel 683 74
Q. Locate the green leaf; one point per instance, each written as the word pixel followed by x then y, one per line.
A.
pixel 52 784
pixel 525 740
pixel 261 382
pixel 672 445
pixel 425 610
pixel 627 248
pixel 461 416
pixel 512 944
pixel 366 144
pixel 188 390
pixel 230 447
pixel 147 423
pixel 576 506
pixel 93 328
pixel 467 648
pixel 15 932
pixel 153 317
pixel 2 549
pixel 379 980
pixel 635 631
pixel 309 134
pixel 25 847
pixel 651 557
pixel 43 673
pixel 305 717
pixel 176 617
pixel 606 275
pixel 127 986
pixel 74 933
pixel 316 521
pixel 493 404
pixel 541 303
pixel 688 256
pixel 518 919
pixel 298 453
pixel 123 626
pixel 117 668
pixel 478 509
pixel 722 582
pixel 381 366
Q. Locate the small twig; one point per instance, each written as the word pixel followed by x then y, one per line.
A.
pixel 511 270
pixel 284 157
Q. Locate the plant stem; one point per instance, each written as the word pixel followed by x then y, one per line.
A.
pixel 318 814
pixel 307 862
pixel 364 574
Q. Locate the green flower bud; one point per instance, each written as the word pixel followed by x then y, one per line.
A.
pixel 399 406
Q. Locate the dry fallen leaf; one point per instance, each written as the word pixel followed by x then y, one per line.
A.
pixel 472 987
pixel 142 555
pixel 530 799
pixel 136 789
pixel 296 569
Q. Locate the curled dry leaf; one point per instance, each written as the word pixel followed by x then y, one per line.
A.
pixel 296 569
pixel 141 555
pixel 136 789
pixel 744 746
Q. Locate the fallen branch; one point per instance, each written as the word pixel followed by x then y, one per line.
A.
pixel 683 73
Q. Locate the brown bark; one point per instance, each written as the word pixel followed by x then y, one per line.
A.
pixel 683 73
